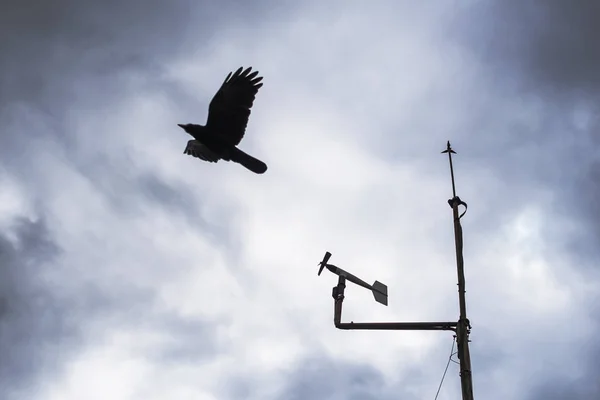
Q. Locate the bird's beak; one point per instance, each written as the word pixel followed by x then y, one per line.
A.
pixel 181 126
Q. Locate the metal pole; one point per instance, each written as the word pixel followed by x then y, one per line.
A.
pixel 464 327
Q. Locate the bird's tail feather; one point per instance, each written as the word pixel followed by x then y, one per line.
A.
pixel 253 164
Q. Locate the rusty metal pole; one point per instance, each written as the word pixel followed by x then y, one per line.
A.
pixel 464 327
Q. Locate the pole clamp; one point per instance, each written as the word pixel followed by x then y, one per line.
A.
pixel 456 200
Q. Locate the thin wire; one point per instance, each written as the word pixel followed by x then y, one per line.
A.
pixel 446 370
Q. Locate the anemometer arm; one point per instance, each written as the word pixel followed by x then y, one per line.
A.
pixel 338 297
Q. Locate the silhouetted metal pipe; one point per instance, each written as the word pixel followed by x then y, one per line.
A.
pixel 464 327
pixel 338 296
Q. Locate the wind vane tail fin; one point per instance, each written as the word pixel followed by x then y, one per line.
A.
pixel 380 293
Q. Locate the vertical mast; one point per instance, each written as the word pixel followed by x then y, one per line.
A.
pixel 463 327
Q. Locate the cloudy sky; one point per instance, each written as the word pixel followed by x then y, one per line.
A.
pixel 131 271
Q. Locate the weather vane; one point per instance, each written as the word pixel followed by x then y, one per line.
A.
pixel 461 328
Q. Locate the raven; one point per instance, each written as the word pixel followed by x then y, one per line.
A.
pixel 228 115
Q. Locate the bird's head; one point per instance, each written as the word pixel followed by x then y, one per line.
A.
pixel 185 127
pixel 192 129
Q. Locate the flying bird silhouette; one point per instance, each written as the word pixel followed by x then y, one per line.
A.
pixel 228 115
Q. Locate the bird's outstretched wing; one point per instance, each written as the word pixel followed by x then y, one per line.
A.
pixel 198 150
pixel 229 110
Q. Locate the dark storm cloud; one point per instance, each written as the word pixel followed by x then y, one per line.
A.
pixel 543 51
pixel 35 325
pixel 543 55
pixel 323 377
pixel 326 378
pixel 57 54
pixel 550 46
pixel 562 385
pixel 43 322
pixel 48 48
pixel 548 52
